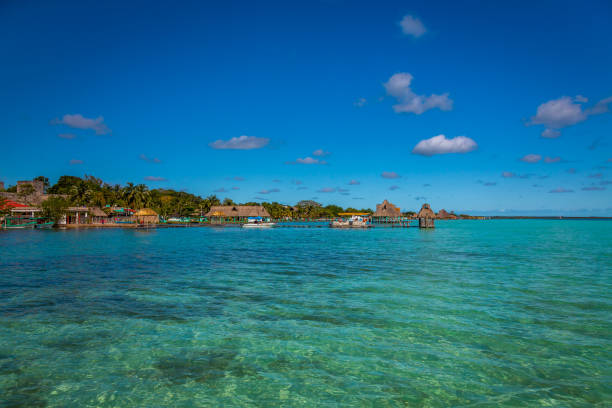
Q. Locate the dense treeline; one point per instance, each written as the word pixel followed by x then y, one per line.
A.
pixel 92 191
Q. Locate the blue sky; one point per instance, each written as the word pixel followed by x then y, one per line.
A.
pixel 238 98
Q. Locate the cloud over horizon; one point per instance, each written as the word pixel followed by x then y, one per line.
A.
pixel 272 190
pixel 240 143
pixel 75 161
pixel 78 121
pixel 531 158
pixel 398 86
pixel 561 190
pixel 390 175
pixel 155 178
pixel 320 153
pixel 307 160
pixel 441 145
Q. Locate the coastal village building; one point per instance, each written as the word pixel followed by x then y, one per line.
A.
pixel 426 217
pixel 236 213
pixel 443 215
pixel 146 216
pixel 386 213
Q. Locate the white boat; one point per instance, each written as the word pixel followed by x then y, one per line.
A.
pixel 355 221
pixel 257 222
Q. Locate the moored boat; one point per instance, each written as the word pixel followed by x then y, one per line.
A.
pixel 351 220
pixel 258 222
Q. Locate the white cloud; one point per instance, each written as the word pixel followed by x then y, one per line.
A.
pixel 327 190
pixel 559 113
pixel 412 26
pixel 307 160
pixel 66 135
pixel 75 161
pixel 390 175
pixel 531 158
pixel 240 143
pixel 392 188
pixel 220 190
pixel 566 111
pixel 78 121
pixel 561 190
pixel 154 178
pixel 398 86
pixel 354 183
pixel 593 188
pixel 320 153
pixel 508 174
pixel 550 133
pixel 272 190
pixel 441 145
pixel 552 159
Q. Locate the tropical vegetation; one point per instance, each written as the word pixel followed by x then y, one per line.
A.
pixel 91 191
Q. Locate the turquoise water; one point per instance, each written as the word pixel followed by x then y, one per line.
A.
pixel 474 313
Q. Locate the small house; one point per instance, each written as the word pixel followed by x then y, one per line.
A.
pixel 146 216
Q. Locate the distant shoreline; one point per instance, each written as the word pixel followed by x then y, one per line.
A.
pixel 558 217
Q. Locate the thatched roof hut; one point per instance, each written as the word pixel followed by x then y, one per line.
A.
pixel 426 212
pixel 237 211
pixel 146 216
pixel 386 209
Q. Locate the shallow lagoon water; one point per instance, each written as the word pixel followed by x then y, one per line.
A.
pixel 473 313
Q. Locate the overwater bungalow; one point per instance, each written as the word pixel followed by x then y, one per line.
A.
pixel 222 214
pixel 386 213
pixel 426 217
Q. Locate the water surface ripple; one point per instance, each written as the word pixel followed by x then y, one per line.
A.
pixel 474 313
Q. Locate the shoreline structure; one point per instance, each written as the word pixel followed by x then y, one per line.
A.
pixel 29 205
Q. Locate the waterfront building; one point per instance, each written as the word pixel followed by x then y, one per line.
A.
pixel 426 217
pixel 146 216
pixel 221 214
pixel 386 213
pixel 444 215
